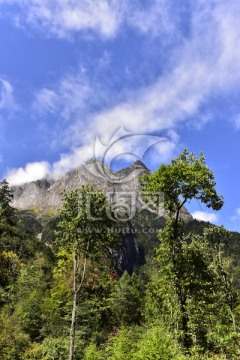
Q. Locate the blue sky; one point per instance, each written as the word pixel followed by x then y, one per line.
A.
pixel 71 71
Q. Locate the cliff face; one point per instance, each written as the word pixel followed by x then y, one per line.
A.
pixel 122 188
pixel 137 225
pixel 45 195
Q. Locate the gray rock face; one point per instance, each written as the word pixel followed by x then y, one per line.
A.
pixel 44 195
pixel 120 187
pixel 132 219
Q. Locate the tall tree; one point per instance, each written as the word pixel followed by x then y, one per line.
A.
pixel 128 299
pixel 218 239
pixel 185 178
pixel 83 229
pixel 12 238
pixel 9 238
pixel 7 212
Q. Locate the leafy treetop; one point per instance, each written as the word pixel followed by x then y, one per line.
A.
pixel 185 178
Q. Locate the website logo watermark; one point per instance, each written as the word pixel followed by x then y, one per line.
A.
pixel 122 145
pixel 122 206
pixel 122 190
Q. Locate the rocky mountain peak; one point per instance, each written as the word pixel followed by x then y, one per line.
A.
pixel 45 195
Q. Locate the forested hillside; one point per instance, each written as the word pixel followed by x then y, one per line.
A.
pixel 78 293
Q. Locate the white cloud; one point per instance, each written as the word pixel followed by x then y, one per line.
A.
pixel 206 65
pixel 67 98
pixel 137 145
pixel 236 216
pixel 31 172
pixel 72 160
pixel 177 96
pixel 46 100
pixel 236 121
pixel 205 216
pixel 6 95
pixel 118 146
pixel 156 18
pixel 63 17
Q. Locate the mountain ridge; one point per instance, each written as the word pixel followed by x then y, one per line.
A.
pixel 44 195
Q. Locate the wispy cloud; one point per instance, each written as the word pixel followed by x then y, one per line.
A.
pixel 205 65
pixel 158 18
pixel 66 98
pixel 177 96
pixel 62 18
pixel 46 101
pixel 68 103
pixel 129 148
pixel 236 121
pixel 103 17
pixel 6 95
pixel 123 148
pixel 236 216
pixel 205 216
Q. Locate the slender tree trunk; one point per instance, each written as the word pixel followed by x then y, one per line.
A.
pixel 83 274
pixel 227 289
pixel 187 342
pixel 233 321
pixel 74 308
pixel 76 291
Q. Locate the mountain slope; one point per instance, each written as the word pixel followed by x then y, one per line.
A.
pixel 44 196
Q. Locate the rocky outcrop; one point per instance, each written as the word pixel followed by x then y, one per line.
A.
pixel 121 188
pixel 136 223
pixel 45 195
